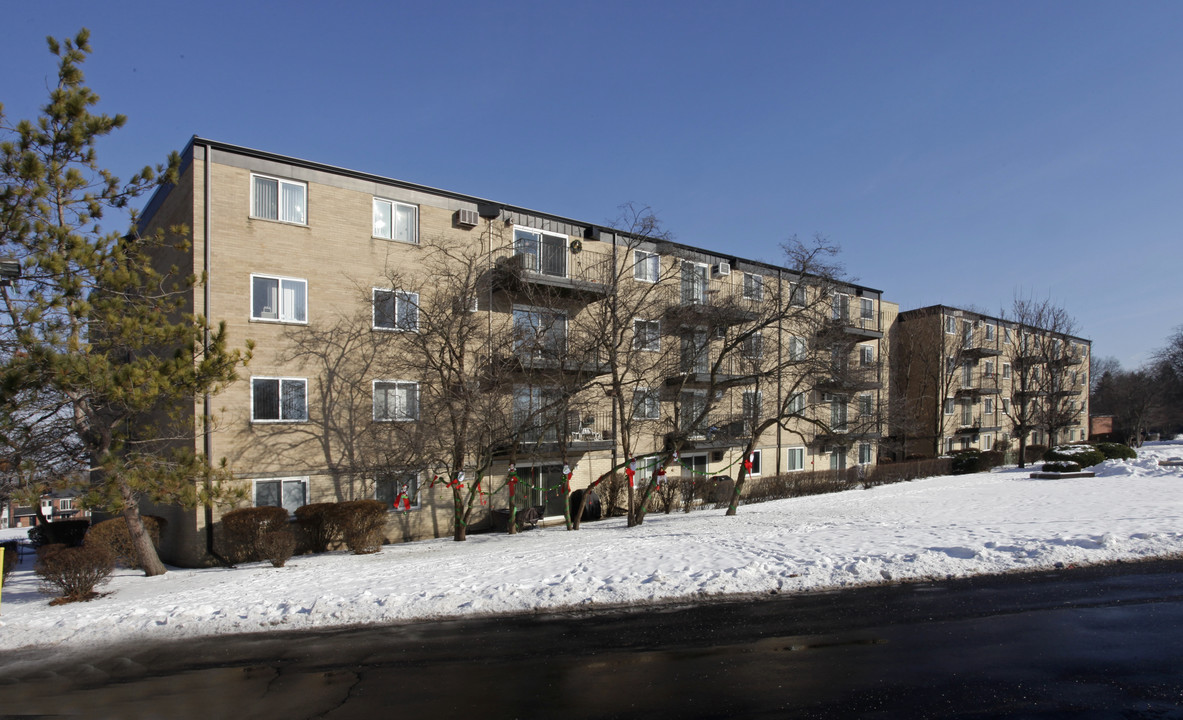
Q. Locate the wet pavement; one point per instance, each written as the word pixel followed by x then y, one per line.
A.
pixel 1075 643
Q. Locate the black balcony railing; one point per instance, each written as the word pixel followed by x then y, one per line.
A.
pixel 569 274
pixel 566 427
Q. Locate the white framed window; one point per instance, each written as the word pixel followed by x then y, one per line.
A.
pixel 949 406
pixel 797 349
pixel 866 308
pixel 1006 335
pixel 949 366
pixel 398 490
pixel 396 400
pixel 396 221
pixel 950 325
pixel 987 442
pixel 989 369
pixel 866 355
pixel 1006 373
pixel 279 399
pixel 866 405
pixel 796 403
pixel 753 286
pixel 647 335
pixel 989 332
pixel 752 347
pixel 756 457
pixel 279 299
pixel 864 453
pixel 646 266
pixel 794 458
pixel 797 294
pixel 277 199
pixel 988 406
pixel 396 310
pixel 1006 406
pixel 288 493
pixel 646 404
pixel 967 374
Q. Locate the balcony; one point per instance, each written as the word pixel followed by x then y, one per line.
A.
pixel 547 363
pixel 575 431
pixel 975 351
pixel 715 433
pixel 714 303
pixel 976 390
pixel 1067 360
pixel 585 276
pixel 862 377
pixel 861 327
pixel 974 425
pixel 845 439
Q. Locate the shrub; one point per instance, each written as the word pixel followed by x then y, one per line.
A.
pixel 1035 453
pixel 1116 451
pixel 244 527
pixel 319 525
pixel 665 496
pixel 112 537
pixel 11 550
pixel 64 532
pixel 1083 455
pixel 73 572
pixel 1062 466
pixel 277 546
pixel 362 522
pixel 966 461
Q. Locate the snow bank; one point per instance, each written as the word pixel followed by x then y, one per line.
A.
pixel 933 528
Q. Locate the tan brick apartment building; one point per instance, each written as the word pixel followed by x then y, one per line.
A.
pixel 962 380
pixel 340 278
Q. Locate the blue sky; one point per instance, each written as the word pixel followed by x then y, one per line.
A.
pixel 959 153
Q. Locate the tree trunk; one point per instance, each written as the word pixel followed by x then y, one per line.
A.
pixel 733 504
pixel 145 551
pixel 460 528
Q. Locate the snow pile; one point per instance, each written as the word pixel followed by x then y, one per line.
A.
pixel 932 528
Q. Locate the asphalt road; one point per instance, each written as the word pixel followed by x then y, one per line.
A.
pixel 1076 643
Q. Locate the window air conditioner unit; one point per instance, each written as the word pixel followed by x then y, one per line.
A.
pixel 466 218
pixel 721 270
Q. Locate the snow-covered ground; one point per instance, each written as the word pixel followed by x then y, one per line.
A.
pixel 933 528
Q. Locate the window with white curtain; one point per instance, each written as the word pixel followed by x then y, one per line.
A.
pixel 795 458
pixel 279 299
pixel 396 310
pixel 277 199
pixel 396 221
pixel 646 266
pixel 396 400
